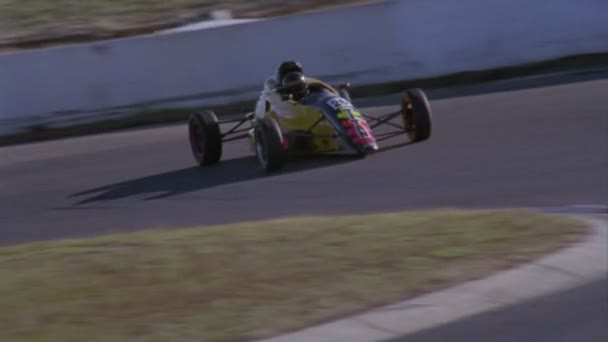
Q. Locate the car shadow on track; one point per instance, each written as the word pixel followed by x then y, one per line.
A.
pixel 195 178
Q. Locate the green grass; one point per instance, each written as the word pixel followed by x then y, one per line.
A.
pixel 253 280
pixel 27 23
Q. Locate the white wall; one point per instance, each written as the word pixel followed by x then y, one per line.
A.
pixel 366 44
pixel 479 34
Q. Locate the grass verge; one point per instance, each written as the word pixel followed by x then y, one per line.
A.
pixel 40 23
pixel 253 280
pixel 151 117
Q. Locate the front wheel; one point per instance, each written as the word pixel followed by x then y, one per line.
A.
pixel 205 137
pixel 416 115
pixel 269 144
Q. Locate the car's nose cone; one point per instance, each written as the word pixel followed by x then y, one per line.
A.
pixel 370 147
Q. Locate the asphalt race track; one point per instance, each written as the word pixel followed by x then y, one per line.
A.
pixel 578 314
pixel 542 146
pixel 542 143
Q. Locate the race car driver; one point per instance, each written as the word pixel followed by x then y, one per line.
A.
pixel 287 85
pixel 289 80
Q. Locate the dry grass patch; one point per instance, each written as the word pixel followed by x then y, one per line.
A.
pixel 42 21
pixel 251 280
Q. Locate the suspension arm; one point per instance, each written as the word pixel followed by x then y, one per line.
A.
pixel 384 119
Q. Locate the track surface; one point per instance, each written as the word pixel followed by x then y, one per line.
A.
pixel 579 314
pixel 544 146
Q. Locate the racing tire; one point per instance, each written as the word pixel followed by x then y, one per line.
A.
pixel 416 114
pixel 269 144
pixel 205 137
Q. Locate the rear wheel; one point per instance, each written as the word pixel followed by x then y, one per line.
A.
pixel 205 137
pixel 269 144
pixel 416 115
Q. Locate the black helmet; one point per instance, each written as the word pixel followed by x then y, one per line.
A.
pixel 295 83
pixel 287 67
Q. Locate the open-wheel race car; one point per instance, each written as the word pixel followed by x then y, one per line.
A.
pixel 323 122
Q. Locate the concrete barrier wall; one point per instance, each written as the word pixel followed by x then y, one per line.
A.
pixel 442 37
pixel 383 41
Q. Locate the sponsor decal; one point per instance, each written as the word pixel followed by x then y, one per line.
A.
pixel 339 103
pixel 356 127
